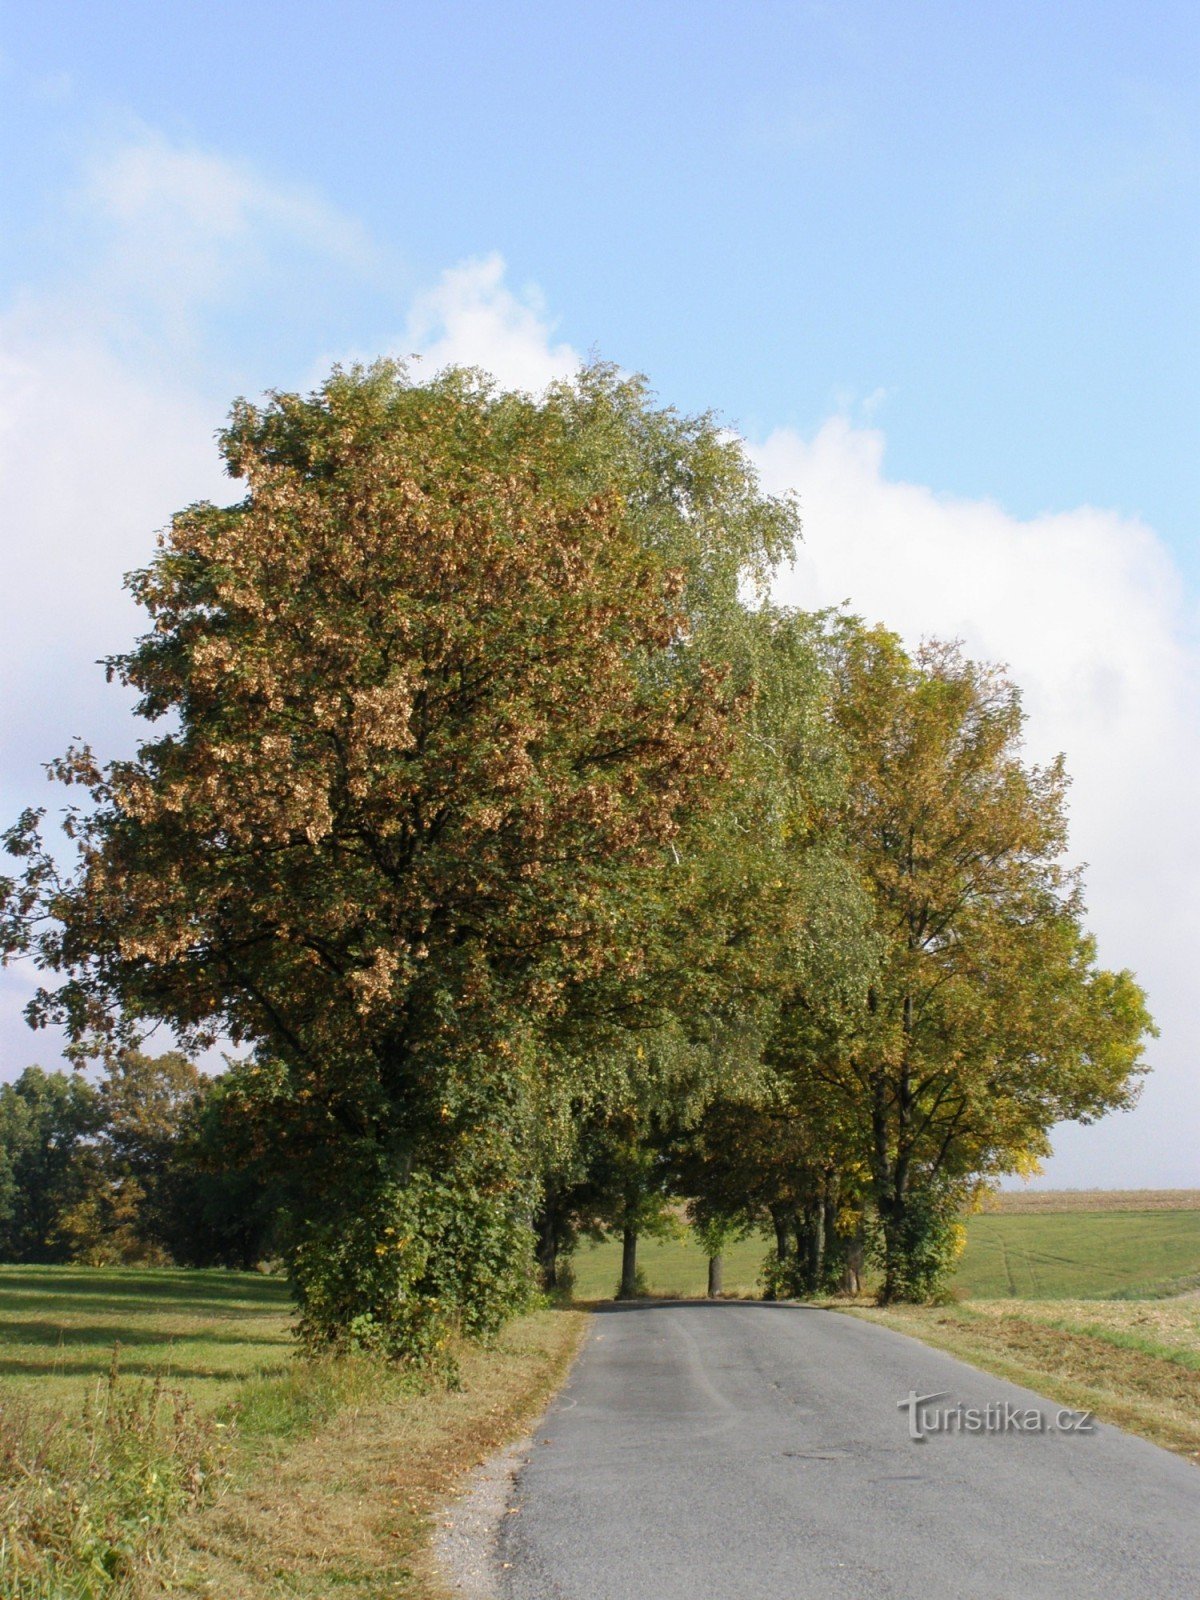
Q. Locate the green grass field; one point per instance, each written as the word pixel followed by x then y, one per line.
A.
pixel 1088 1254
pixel 205 1331
pixel 1080 1255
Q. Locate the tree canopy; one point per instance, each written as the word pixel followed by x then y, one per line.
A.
pixel 542 869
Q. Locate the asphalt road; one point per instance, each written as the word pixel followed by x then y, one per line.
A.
pixel 757 1452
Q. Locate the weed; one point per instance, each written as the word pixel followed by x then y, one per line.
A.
pixel 81 1499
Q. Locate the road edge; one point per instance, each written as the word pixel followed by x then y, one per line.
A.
pixel 461 1554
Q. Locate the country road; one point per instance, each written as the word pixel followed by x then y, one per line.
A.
pixel 757 1452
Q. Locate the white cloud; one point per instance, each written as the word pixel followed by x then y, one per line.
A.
pixel 1089 612
pixel 184 223
pixel 471 318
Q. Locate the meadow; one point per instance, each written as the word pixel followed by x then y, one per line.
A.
pixel 159 1435
pixel 203 1331
pixel 1064 1246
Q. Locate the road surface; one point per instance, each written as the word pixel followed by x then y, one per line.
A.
pixel 758 1452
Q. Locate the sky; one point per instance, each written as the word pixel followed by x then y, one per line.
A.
pixel 937 263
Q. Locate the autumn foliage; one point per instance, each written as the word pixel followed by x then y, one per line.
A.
pixel 477 782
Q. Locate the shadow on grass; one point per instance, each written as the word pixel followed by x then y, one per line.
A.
pixel 155 1292
pixel 67 1335
pixel 131 1367
pixel 188 1285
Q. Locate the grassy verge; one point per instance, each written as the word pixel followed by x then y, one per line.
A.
pixel 206 1459
pixel 1134 1363
pixel 346 1510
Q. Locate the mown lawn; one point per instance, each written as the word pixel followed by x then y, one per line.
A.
pixel 203 1331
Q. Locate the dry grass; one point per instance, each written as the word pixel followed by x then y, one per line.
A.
pixel 86 1497
pixel 347 1510
pixel 1134 1363
pixel 1017 1202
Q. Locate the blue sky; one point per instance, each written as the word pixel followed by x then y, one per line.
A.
pixel 938 262
pixel 986 212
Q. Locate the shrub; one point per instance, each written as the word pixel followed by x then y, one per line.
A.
pixel 413 1264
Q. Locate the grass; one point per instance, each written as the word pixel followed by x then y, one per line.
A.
pixel 672 1267
pixel 1085 1254
pixel 1134 1363
pixel 346 1511
pixel 213 1462
pixel 205 1332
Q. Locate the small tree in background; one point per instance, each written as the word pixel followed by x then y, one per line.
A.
pixel 48 1122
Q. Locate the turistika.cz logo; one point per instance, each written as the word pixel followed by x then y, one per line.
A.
pixel 925 1416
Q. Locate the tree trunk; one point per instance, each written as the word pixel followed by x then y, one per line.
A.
pixel 893 1248
pixel 853 1270
pixel 816 1244
pixel 779 1217
pixel 716 1276
pixel 835 1243
pixel 628 1289
pixel 547 1248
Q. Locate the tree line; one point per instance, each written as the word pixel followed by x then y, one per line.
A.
pixel 137 1168
pixel 542 873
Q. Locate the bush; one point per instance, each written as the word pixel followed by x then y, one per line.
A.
pixel 921 1248
pixel 412 1265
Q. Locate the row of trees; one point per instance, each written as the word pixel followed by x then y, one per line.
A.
pixel 545 870
pixel 139 1167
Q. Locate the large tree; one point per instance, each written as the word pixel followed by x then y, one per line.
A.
pixel 430 708
pixel 982 1018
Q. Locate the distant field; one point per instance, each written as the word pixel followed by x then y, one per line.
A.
pixel 1020 1201
pixel 207 1330
pixel 1083 1254
pixel 1090 1253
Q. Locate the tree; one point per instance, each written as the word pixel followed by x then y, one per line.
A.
pixel 431 710
pixel 985 1019
pixel 798 926
pixel 226 1203
pixel 46 1120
